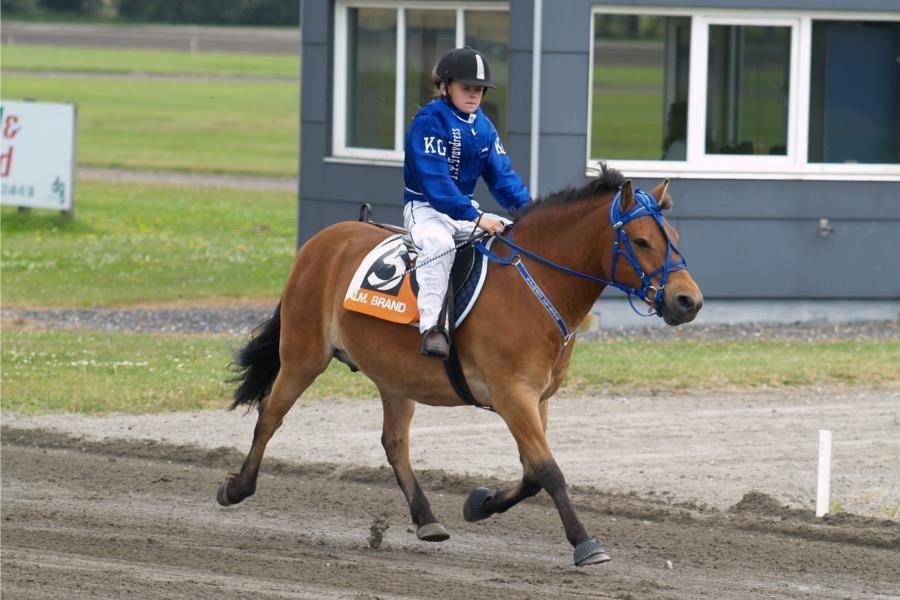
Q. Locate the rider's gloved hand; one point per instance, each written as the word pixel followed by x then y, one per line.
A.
pixel 491 223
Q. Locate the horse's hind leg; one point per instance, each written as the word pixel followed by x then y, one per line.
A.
pixel 398 413
pixel 292 380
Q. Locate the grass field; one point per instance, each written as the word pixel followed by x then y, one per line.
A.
pixel 137 243
pixel 206 126
pixel 140 243
pixel 121 372
pixel 159 62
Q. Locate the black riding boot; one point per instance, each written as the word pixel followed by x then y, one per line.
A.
pixel 436 343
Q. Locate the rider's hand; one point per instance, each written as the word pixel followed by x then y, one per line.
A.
pixel 491 223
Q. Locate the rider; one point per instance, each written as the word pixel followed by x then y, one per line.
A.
pixel 449 145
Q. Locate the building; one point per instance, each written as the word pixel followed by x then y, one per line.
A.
pixel 778 121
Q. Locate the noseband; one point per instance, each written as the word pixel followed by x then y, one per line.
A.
pixel 653 295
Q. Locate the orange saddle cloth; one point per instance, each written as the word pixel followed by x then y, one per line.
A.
pixel 382 287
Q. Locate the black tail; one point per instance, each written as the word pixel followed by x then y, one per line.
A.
pixel 258 362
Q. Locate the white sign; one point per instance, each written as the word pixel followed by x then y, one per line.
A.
pixel 37 154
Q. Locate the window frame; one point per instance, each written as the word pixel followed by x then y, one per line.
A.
pixel 340 151
pixel 701 165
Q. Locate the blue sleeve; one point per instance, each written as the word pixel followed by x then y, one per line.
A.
pixel 426 154
pixel 505 184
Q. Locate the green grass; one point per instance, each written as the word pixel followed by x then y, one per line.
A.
pixel 725 365
pixel 208 126
pixel 103 372
pixel 119 372
pixel 160 62
pixel 140 243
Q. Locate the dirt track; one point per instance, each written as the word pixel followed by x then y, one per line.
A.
pixel 87 519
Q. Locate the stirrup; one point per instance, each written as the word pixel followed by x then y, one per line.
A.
pixel 436 343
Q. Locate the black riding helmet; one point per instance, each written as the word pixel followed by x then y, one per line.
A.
pixel 465 65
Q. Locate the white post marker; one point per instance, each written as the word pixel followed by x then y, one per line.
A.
pixel 823 493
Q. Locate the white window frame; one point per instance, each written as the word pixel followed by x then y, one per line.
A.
pixel 341 152
pixel 699 164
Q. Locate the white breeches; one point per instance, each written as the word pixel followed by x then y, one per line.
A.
pixel 435 235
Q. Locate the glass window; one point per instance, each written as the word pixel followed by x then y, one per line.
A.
pixel 854 102
pixel 748 86
pixel 429 33
pixel 640 87
pixel 371 76
pixel 373 116
pixel 488 32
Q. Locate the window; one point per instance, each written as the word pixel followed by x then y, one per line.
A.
pixel 748 81
pixel 384 57
pixel 854 99
pixel 372 59
pixel 429 33
pixel 488 32
pixel 640 87
pixel 745 93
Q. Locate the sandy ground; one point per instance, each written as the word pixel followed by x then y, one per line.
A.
pixel 707 450
pixel 121 519
pixel 705 496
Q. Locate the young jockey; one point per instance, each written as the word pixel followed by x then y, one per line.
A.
pixel 449 145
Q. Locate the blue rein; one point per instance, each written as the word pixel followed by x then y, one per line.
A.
pixel 645 206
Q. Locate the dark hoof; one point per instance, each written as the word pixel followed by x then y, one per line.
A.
pixel 222 495
pixel 590 552
pixel 432 532
pixel 473 509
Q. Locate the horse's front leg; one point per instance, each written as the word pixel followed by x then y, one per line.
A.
pixel 483 502
pixel 398 413
pixel 523 417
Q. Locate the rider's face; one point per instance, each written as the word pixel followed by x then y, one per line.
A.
pixel 466 98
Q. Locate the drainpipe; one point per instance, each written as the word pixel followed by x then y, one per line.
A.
pixel 536 97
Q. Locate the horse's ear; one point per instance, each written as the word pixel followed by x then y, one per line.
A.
pixel 660 192
pixel 627 196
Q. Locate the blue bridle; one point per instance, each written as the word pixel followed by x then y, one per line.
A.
pixel 645 206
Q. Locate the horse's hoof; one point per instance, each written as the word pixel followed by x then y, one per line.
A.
pixel 222 495
pixel 473 509
pixel 432 532
pixel 590 552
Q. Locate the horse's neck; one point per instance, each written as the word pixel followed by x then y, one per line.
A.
pixel 572 236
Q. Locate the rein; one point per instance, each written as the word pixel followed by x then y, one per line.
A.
pixel 645 206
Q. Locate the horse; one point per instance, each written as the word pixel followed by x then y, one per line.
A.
pixel 513 353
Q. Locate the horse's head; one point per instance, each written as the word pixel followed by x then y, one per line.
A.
pixel 645 256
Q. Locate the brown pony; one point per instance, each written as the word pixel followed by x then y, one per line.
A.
pixel 511 350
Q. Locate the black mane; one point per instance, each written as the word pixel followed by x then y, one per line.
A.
pixel 609 180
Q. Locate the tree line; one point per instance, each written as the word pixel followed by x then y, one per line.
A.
pixel 211 12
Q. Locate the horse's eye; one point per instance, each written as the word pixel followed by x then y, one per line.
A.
pixel 641 243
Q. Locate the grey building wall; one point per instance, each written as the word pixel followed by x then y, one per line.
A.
pixel 743 239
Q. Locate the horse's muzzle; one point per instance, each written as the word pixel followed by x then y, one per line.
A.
pixel 681 308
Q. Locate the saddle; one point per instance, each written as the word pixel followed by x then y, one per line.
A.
pixel 384 285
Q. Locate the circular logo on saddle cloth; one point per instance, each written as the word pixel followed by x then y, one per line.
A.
pixel 387 272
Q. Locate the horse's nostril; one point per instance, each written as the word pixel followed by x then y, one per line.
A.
pixel 685 302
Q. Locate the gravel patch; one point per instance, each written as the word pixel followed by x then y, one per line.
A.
pixel 195 320
pixel 242 319
pixel 206 180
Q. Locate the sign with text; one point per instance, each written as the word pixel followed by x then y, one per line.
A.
pixel 37 154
